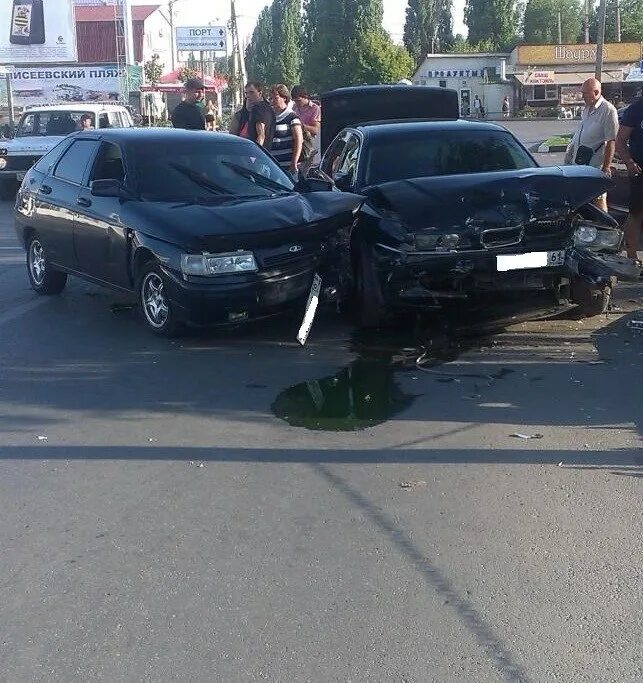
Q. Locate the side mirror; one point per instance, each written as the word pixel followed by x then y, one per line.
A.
pixel 106 188
pixel 313 185
pixel 344 181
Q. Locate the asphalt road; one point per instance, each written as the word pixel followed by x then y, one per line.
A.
pixel 159 522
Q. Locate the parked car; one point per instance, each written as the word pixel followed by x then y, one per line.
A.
pixel 459 209
pixel 202 227
pixel 42 128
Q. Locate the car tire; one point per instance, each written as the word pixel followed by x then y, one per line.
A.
pixel 592 299
pixel 43 278
pixel 8 189
pixel 370 310
pixel 156 309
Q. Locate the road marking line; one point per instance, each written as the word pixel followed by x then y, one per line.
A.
pixel 19 310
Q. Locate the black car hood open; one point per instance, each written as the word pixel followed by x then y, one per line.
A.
pixel 243 224
pixel 451 202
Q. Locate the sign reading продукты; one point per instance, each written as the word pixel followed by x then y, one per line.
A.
pixel 201 39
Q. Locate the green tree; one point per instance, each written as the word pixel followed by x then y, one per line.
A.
pixel 334 31
pixel 375 59
pixel 428 27
pixel 260 51
pixel 462 46
pixel 540 21
pixel 186 72
pixel 286 31
pixel 153 71
pixel 494 20
pixel 631 20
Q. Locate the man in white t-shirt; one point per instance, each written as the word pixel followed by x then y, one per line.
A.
pixel 594 142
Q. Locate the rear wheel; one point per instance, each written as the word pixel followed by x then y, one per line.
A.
pixel 156 309
pixel 42 277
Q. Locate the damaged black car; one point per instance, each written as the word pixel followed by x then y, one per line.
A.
pixel 203 228
pixel 459 210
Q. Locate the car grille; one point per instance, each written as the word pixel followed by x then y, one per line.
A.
pixel 20 163
pixel 287 259
pixel 551 228
pixel 501 237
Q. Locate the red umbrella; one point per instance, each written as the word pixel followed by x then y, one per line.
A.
pixel 216 82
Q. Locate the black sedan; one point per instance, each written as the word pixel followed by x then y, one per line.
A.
pixel 460 210
pixel 203 227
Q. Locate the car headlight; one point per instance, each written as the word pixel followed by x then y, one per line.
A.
pixel 3 163
pixel 449 242
pixel 218 264
pixel 585 235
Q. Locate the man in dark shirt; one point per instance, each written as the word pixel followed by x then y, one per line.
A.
pixel 261 125
pixel 629 146
pixel 188 114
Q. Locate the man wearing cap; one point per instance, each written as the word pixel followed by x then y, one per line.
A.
pixel 188 114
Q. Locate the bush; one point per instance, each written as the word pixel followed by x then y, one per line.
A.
pixel 526 113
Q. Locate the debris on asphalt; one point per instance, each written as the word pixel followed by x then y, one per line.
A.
pixel 151 439
pixel 518 435
pixel 197 463
pixel 408 485
pixel 120 308
pixel 472 397
pixel 42 438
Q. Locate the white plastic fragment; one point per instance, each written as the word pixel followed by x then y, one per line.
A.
pixel 518 435
pixel 42 438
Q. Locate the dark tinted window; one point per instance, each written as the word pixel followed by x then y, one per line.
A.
pixel 109 164
pixel 46 163
pixel 73 162
pixel 183 170
pixel 447 152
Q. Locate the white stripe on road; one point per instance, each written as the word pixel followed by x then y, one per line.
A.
pixel 20 309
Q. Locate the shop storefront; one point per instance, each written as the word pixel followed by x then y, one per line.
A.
pixel 551 75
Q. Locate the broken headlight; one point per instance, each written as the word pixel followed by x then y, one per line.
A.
pixel 3 163
pixel 593 237
pixel 448 242
pixel 218 264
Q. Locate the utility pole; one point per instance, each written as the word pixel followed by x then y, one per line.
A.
pixel 238 62
pixel 560 27
pixel 586 21
pixel 170 7
pixel 617 37
pixel 600 39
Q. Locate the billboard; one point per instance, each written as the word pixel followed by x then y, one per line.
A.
pixel 533 55
pixel 48 83
pixel 201 39
pixel 37 31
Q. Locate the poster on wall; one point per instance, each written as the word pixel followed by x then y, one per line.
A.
pixel 37 31
pixel 47 83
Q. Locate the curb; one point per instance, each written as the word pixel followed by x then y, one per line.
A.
pixel 545 148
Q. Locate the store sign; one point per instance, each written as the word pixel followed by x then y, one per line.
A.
pixel 40 31
pixel 201 39
pixel 533 55
pixel 636 74
pixel 48 83
pixel 452 73
pixel 540 78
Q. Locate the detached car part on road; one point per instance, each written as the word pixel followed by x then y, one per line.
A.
pixel 204 228
pixel 460 210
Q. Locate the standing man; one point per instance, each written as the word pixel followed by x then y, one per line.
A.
pixel 261 122
pixel 505 108
pixel 309 114
pixel 188 114
pixel 477 106
pixel 594 142
pixel 629 145
pixel 288 141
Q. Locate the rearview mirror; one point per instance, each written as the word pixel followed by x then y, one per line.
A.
pixel 313 185
pixel 106 188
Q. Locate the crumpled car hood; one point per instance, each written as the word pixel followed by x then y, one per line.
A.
pixel 246 224
pixel 449 203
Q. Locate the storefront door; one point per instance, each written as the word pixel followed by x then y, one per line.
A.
pixel 465 102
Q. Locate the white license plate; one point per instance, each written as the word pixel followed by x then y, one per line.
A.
pixel 20 177
pixel 311 309
pixel 533 259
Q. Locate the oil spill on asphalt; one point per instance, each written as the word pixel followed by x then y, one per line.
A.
pixel 367 392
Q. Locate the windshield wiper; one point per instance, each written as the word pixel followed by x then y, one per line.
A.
pixel 199 180
pixel 257 177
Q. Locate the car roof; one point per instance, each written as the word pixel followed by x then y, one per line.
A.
pixel 76 106
pixel 160 135
pixel 379 129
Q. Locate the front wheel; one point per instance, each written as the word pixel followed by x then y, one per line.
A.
pixel 42 277
pixel 369 299
pixel 592 299
pixel 156 308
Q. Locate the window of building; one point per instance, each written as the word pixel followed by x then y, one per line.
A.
pixel 443 84
pixel 541 92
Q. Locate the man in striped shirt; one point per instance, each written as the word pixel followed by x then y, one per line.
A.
pixel 288 139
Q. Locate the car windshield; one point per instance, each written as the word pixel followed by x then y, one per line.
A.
pixel 183 170
pixel 446 152
pixel 51 123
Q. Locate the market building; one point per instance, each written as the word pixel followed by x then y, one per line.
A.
pixel 483 74
pixel 551 75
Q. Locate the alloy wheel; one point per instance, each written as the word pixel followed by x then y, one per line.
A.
pixel 154 301
pixel 37 264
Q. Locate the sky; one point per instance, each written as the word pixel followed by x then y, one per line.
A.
pixel 192 12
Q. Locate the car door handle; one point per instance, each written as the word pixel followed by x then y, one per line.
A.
pixel 45 189
pixel 83 201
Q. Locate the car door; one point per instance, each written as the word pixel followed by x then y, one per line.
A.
pixel 330 161
pixel 57 200
pixel 345 175
pixel 99 236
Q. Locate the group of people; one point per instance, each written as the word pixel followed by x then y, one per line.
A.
pixel 598 137
pixel 286 123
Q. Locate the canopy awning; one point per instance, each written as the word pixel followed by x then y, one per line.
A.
pixel 576 78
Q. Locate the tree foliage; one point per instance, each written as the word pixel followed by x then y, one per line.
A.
pixel 374 59
pixel 540 21
pixel 428 27
pixel 493 20
pixel 187 72
pixel 153 71
pixel 631 20
pixel 461 46
pixel 260 60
